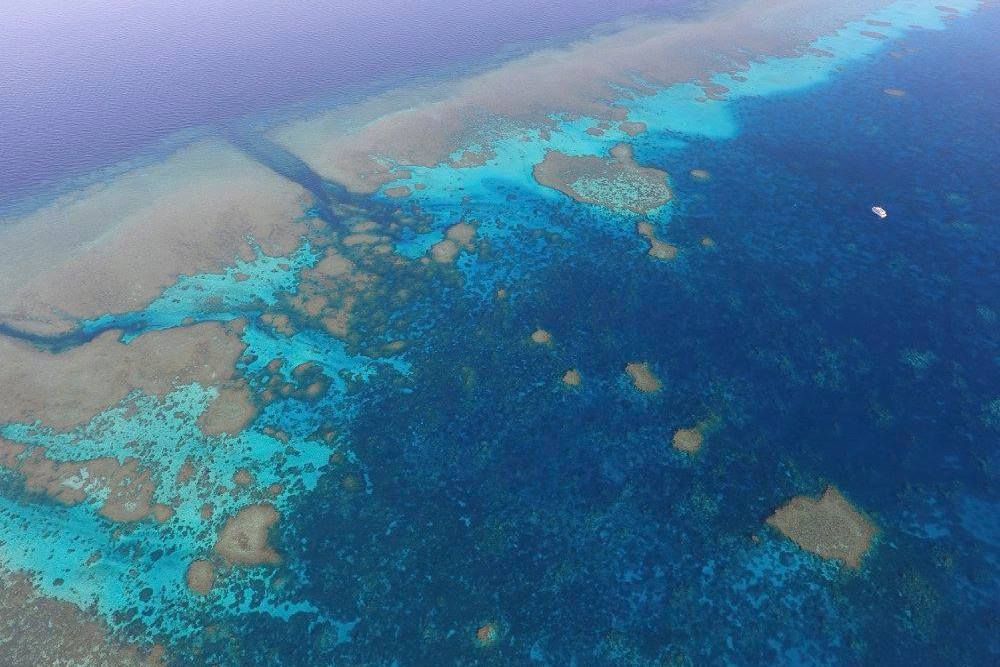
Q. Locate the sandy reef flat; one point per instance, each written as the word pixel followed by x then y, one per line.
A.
pixel 358 146
pixel 67 389
pixel 114 247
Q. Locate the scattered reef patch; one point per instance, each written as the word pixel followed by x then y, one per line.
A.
pixel 572 378
pixel 643 377
pixel 657 249
pixel 541 337
pixel 244 537
pixel 829 527
pixel 688 440
pixel 616 183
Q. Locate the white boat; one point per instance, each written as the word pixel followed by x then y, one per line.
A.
pixel 880 212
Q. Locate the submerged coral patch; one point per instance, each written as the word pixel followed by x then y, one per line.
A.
pixel 658 249
pixel 616 183
pixel 643 377
pixel 572 378
pixel 688 440
pixel 829 527
pixel 487 634
pixel 243 539
pixel 541 337
pixel 231 411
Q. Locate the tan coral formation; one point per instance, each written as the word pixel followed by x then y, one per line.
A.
pixel 462 233
pixel 243 539
pixel 658 249
pixel 572 378
pixel 359 145
pixel 643 377
pixel 829 527
pixel 458 237
pixel 541 337
pixel 398 192
pixel 230 412
pixel 36 630
pixel 617 183
pixel 126 488
pixel 333 265
pixel 688 440
pixel 330 290
pixel 200 577
pixel 444 251
pixel 114 247
pixel 242 477
pixel 633 129
pixel 66 389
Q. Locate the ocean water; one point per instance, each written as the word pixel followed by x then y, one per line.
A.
pixel 467 487
pixel 91 84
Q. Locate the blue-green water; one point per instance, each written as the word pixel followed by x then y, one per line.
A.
pixel 467 485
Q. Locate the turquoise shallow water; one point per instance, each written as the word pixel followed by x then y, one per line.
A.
pixel 466 486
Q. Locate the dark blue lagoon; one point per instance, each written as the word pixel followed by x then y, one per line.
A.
pixel 674 343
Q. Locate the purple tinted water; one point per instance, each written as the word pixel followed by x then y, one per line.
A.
pixel 92 82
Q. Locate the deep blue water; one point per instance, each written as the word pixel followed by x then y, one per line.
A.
pixel 88 84
pixel 499 496
pixel 826 347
